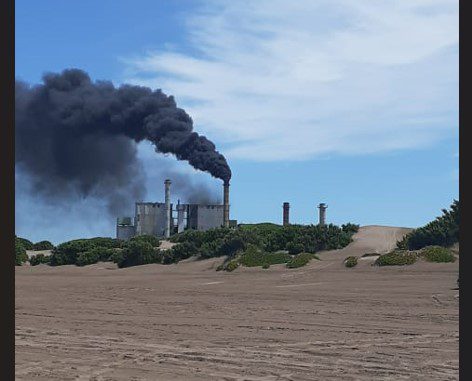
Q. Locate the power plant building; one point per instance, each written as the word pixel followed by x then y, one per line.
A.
pixel 162 219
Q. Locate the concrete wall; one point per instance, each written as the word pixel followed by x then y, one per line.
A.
pixel 150 218
pixel 204 217
pixel 125 232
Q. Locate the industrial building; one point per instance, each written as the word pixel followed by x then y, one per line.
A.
pixel 161 219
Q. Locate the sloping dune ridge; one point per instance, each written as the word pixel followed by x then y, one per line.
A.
pixel 189 322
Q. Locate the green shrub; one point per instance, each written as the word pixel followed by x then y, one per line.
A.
pixel 231 265
pixel 443 231
pixel 152 240
pixel 350 228
pixel 43 245
pixel 184 250
pixel 20 254
pixel 66 253
pixel 265 266
pixel 166 257
pixel 300 260
pixel 253 256
pixel 396 258
pixel 295 248
pixel 437 254
pixel 26 243
pixel 94 255
pixel 211 249
pixel 230 246
pixel 270 239
pixel 137 253
pixel 117 256
pixel 87 258
pixel 350 261
pixel 39 259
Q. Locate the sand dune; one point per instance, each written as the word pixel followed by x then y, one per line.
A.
pixel 189 322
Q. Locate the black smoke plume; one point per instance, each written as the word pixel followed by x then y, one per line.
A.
pixel 75 135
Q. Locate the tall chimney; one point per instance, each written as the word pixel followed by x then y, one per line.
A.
pixel 286 220
pixel 226 204
pixel 168 211
pixel 322 208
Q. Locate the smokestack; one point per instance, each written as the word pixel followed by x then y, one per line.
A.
pixel 168 211
pixel 226 204
pixel 286 220
pixel 322 208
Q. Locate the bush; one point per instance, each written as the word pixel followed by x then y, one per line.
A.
pixel 268 237
pixel 350 228
pixel 20 254
pixel 350 261
pixel 94 255
pixel 154 241
pixel 117 256
pixel 211 249
pixel 295 248
pixel 231 265
pixel 443 231
pixel 43 245
pixel 437 254
pixel 39 259
pixel 87 258
pixel 26 243
pixel 184 250
pixel 265 266
pixel 66 253
pixel 254 256
pixel 396 258
pixel 300 260
pixel 137 253
pixel 166 257
pixel 230 246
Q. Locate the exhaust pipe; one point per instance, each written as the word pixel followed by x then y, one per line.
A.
pixel 226 204
pixel 168 211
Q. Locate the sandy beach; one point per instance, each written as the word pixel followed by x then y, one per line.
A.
pixel 189 322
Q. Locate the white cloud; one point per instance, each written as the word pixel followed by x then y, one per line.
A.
pixel 272 80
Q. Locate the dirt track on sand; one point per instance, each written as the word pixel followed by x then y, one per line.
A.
pixel 189 322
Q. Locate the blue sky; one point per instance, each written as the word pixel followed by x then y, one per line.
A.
pixel 351 103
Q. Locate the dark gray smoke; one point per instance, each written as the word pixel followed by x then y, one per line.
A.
pixel 75 135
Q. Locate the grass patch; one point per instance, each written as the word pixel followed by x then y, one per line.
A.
pixel 396 258
pixel 350 261
pixel 300 260
pixel 437 254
